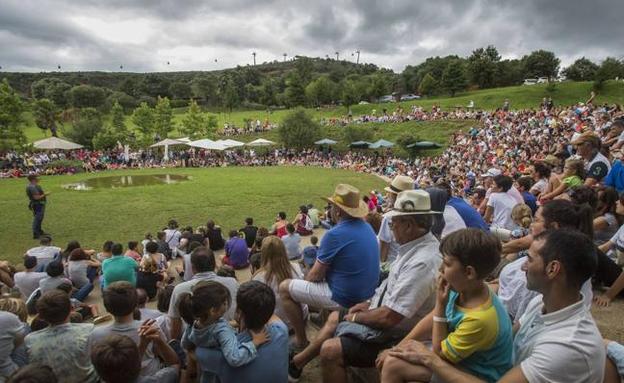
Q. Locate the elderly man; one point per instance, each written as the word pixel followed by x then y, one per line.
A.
pixel 354 337
pixel 346 270
pixel 597 166
pixel 388 246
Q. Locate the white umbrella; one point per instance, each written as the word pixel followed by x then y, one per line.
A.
pixel 56 143
pixel 208 144
pixel 231 143
pixel 166 142
pixel 260 142
pixel 184 139
pixel 381 144
pixel 326 141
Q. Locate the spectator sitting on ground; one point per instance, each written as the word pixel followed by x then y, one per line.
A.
pixel 500 204
pixel 275 267
pixel 42 346
pixel 133 251
pixel 471 328
pixel 107 251
pixel 172 237
pixel 12 332
pixel 313 213
pixel 203 264
pixel 149 277
pixel 279 227
pixel 572 177
pixel 45 252
pixel 596 165
pixel 354 337
pixel 309 253
pixel 118 267
pixel 256 304
pixel 215 238
pixel 346 271
pixel 236 252
pixel 303 224
pixel 117 359
pixel 163 246
pixel 524 185
pixel 292 241
pixel 249 232
pixel 159 258
pixel 146 313
pixel 120 299
pixel 27 281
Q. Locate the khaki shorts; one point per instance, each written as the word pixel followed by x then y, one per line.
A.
pixel 315 294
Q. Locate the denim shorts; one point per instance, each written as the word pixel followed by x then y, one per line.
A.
pixel 615 352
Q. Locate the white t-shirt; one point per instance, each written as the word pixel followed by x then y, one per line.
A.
pixel 27 282
pixel 386 235
pixel 502 203
pixel 539 186
pixel 172 237
pixel 452 221
pixel 44 254
pixel 563 346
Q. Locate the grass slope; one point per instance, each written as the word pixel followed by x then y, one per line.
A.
pixel 521 97
pixel 227 195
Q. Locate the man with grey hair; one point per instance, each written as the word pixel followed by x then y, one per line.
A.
pixel 388 246
pixel 355 336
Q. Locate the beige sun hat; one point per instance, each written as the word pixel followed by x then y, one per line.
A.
pixel 412 202
pixel 399 184
pixel 348 198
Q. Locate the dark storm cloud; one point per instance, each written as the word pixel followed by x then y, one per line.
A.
pixel 146 34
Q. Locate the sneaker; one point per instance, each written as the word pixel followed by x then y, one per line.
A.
pixel 294 373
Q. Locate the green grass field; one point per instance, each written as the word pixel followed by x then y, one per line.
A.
pixel 227 195
pixel 521 97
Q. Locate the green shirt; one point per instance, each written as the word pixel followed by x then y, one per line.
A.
pixel 119 268
pixel 572 181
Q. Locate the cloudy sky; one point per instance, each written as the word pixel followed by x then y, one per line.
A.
pixel 143 35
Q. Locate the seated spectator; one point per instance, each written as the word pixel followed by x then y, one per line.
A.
pixel 236 252
pixel 120 299
pixel 303 224
pixel 541 176
pixel 82 269
pixel 262 233
pixel 557 339
pixel 347 266
pixel 56 276
pixel 163 246
pixel 275 267
pixel 314 215
pixel 133 251
pixel 172 236
pixel 202 311
pixel 249 232
pixel 523 218
pixel 606 221
pixel 146 313
pixel 256 303
pixel 118 267
pixel 163 301
pixel 27 281
pixel 147 238
pixel 500 203
pixel 524 185
pixel 279 227
pixel 292 241
pixel 572 177
pixel 33 373
pixel 388 246
pixel 107 251
pixel 215 238
pixel 12 332
pixel 149 277
pixel 117 359
pixel 471 328
pixel 152 251
pixel 354 337
pixel 45 252
pixel 458 214
pixel 73 364
pixel 309 253
pixel 203 264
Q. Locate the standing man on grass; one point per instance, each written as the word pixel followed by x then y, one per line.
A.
pixel 37 204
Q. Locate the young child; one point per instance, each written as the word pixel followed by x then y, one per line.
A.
pixel 146 239
pixel 523 217
pixel 203 311
pixel 309 253
pixel 133 251
pixel 471 328
pixel 572 177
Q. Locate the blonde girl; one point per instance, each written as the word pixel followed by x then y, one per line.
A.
pixel 572 177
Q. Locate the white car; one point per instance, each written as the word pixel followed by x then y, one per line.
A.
pixel 543 80
pixel 388 98
pixel 529 81
pixel 409 96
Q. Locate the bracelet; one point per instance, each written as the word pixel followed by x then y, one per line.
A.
pixel 354 316
pixel 440 319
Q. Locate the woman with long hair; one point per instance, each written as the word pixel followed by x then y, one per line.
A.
pixel 275 268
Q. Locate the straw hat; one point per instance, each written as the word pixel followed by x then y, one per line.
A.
pixel 412 202
pixel 348 198
pixel 399 184
pixel 587 137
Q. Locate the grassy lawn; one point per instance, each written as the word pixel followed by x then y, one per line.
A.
pixel 227 195
pixel 521 97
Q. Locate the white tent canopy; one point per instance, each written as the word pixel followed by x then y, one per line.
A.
pixel 166 143
pixel 208 144
pixel 56 143
pixel 231 143
pixel 260 142
pixel 326 141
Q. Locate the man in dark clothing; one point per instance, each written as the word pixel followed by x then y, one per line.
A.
pixel 163 246
pixel 37 204
pixel 249 231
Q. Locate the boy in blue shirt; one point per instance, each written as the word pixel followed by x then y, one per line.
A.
pixel 309 254
pixel 471 328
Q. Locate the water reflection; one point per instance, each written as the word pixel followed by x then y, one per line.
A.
pixel 126 181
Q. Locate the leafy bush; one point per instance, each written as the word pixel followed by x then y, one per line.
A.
pixel 298 130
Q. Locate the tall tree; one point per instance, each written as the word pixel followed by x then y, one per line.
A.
pixel 581 70
pixel 143 118
pixel 163 117
pixel 428 85
pixel 482 66
pixel 453 78
pixel 11 109
pixel 321 91
pixel 295 90
pixel 46 115
pixel 298 129
pixel 205 87
pixel 196 124
pixel 114 133
pixel 87 96
pixel 541 63
pixel 86 125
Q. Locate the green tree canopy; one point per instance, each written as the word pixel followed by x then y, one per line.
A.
pixel 321 91
pixel 196 124
pixel 86 125
pixel 143 118
pixel 541 63
pixel 482 65
pixel 163 117
pixel 11 109
pixel 298 129
pixel 428 85
pixel 87 96
pixel 581 70
pixel 453 78
pixel 46 115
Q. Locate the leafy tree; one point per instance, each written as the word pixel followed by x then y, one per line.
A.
pixel 610 68
pixel 509 72
pixel 130 87
pixel 86 125
pixel 180 90
pixel 11 109
pixel 379 86
pixel 304 68
pixel 581 70
pixel 354 133
pixel 125 100
pixel 482 65
pixel 163 117
pixel 230 97
pixel 428 85
pixel 295 90
pixel 407 139
pixel 197 124
pixel 116 132
pixel 268 92
pixel 46 115
pixel 118 120
pixel 154 85
pixel 53 89
pixel 205 88
pixel 321 91
pixel 351 93
pixel 453 78
pixel 541 63
pixel 298 129
pixel 87 96
pixel 143 118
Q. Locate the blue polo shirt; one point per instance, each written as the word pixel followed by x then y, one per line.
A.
pixel 351 251
pixel 119 268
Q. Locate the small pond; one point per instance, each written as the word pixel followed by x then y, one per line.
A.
pixel 126 181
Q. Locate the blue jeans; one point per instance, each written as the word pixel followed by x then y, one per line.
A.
pixel 38 212
pixel 82 293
